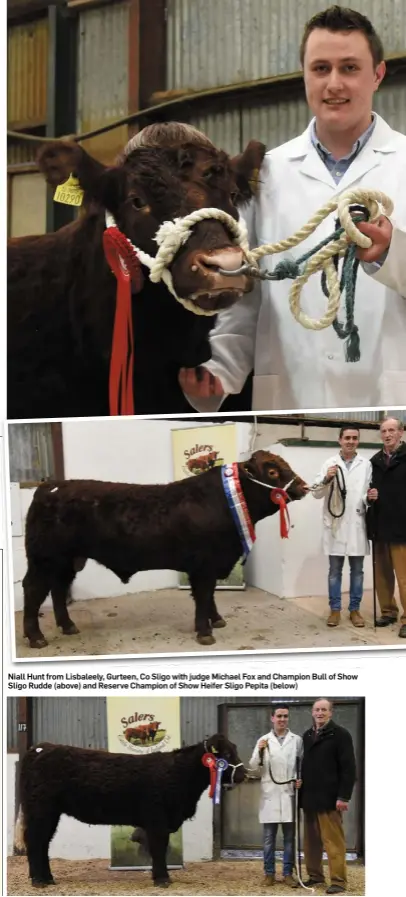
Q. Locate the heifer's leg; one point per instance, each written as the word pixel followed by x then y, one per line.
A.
pixel 60 591
pixel 158 840
pixel 38 834
pixel 36 586
pixel 217 621
pixel 203 585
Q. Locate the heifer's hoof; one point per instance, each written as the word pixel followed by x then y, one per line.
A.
pixel 162 882
pixel 219 624
pixel 206 639
pixel 71 630
pixel 42 882
pixel 39 642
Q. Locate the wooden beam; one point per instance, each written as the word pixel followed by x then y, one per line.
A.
pixel 152 49
pixel 57 447
pixel 61 100
pixel 133 59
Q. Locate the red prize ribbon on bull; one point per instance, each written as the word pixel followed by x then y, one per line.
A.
pixel 221 766
pixel 209 760
pixel 280 497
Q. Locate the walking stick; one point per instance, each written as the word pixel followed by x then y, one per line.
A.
pixel 371 512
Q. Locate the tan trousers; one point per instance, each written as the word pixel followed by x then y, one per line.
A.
pixel 325 830
pixel 390 560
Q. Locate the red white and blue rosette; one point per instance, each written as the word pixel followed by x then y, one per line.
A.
pixel 238 506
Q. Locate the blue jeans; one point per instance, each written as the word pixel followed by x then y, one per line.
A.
pixel 356 581
pixel 270 830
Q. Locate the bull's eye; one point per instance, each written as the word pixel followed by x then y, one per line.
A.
pixel 272 473
pixel 234 197
pixel 138 203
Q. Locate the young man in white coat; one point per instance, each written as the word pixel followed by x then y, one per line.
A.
pixel 344 521
pixel 275 756
pixel 346 145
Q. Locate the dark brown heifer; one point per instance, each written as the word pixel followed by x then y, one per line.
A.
pixel 185 526
pixel 156 792
pixel 62 293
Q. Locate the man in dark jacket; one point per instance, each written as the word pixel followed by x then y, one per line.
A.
pixel 328 778
pixel 387 522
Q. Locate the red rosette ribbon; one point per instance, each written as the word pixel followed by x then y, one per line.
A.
pixel 280 497
pixel 126 266
pixel 209 760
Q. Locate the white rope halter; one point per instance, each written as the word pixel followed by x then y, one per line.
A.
pixel 170 236
pixel 376 202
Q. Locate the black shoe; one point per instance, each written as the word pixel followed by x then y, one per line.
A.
pixel 312 882
pixel 386 621
pixel 335 889
pixel 402 631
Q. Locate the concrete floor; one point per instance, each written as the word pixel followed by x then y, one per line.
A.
pixel 161 622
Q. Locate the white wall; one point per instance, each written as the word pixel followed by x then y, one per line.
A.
pixel 302 566
pixel 141 451
pixel 127 451
pixel 76 841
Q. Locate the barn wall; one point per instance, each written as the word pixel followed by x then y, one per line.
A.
pixel 247 40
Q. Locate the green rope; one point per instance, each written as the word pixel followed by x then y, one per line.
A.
pixel 292 268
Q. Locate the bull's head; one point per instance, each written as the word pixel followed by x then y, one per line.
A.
pixel 272 470
pixel 154 184
pixel 224 749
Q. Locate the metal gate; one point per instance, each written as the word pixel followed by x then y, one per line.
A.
pixel 241 833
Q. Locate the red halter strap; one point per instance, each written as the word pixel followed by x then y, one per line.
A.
pixel 126 267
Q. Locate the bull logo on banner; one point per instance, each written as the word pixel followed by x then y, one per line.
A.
pixel 143 734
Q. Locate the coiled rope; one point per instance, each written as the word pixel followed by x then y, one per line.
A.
pixel 336 502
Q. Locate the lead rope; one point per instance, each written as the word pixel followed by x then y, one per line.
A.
pixel 336 502
pixel 296 811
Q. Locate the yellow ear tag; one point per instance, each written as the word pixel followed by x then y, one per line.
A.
pixel 213 750
pixel 69 192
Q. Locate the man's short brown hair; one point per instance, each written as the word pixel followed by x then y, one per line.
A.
pixel 342 18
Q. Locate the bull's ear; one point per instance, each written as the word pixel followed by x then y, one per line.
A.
pixel 58 159
pixel 214 749
pixel 246 167
pixel 107 186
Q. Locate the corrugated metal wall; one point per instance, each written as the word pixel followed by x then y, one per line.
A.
pixel 71 720
pixel 102 76
pixel 27 74
pixel 12 717
pixel 199 716
pixel 212 44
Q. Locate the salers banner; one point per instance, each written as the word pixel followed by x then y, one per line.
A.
pixel 197 450
pixel 141 726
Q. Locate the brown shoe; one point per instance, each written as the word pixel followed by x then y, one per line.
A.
pixel 290 881
pixel 356 618
pixel 269 880
pixel 334 618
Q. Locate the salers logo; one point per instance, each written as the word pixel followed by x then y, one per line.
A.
pixel 143 734
pixel 200 458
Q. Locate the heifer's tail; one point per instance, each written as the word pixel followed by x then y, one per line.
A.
pixel 19 848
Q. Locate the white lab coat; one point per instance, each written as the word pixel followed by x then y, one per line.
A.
pixel 296 368
pixel 276 800
pixel 348 537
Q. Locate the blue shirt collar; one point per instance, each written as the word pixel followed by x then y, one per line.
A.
pixel 357 147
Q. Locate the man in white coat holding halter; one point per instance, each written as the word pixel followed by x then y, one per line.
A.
pixel 343 483
pixel 275 756
pixel 345 146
